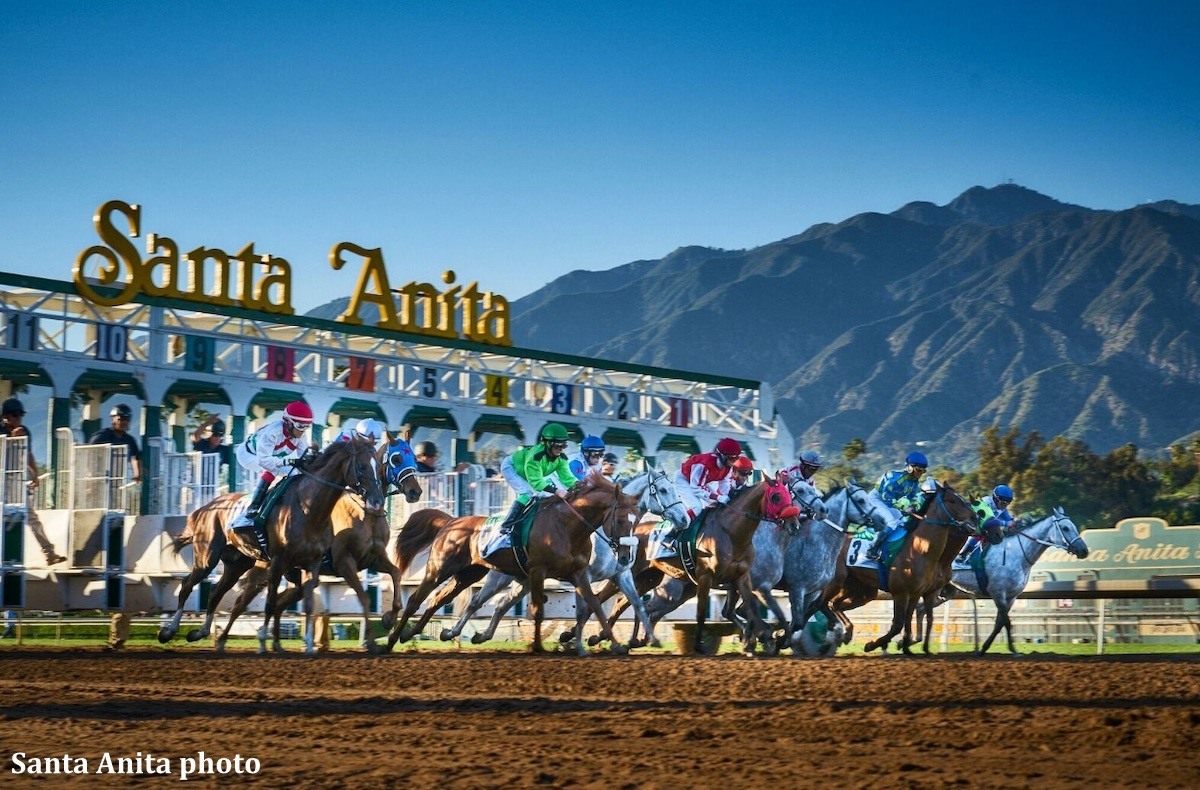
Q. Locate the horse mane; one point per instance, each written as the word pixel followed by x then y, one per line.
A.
pixel 595 481
pixel 334 453
pixel 742 492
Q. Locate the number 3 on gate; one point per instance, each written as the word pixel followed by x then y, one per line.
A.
pixel 495 391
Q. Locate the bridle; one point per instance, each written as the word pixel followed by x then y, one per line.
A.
pixel 654 491
pixel 950 521
pixel 358 488
pixel 1056 524
pixel 610 515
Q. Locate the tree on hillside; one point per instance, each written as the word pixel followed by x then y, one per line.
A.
pixel 1065 474
pixel 1004 457
pixel 854 449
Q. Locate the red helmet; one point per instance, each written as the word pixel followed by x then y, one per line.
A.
pixel 729 447
pixel 298 413
pixel 742 464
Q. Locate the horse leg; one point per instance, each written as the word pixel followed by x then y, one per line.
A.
pixel 702 588
pixel 758 627
pixel 493 583
pixel 348 570
pixel 1001 616
pixel 899 602
pixel 464 579
pixel 509 601
pixel 537 604
pixel 384 565
pixel 311 578
pixel 910 608
pixel 583 589
pixel 232 570
pixel 400 631
pixel 254 585
pixel 1008 630
pixel 629 589
pixel 275 575
pixel 199 573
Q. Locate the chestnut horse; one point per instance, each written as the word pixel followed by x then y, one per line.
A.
pixel 559 547
pixel 206 533
pixel 913 572
pixel 725 553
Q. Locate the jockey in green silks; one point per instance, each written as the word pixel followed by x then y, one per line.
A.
pixel 538 470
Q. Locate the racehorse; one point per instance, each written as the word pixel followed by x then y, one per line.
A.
pixel 559 546
pixel 912 572
pixel 657 495
pixel 208 537
pixel 771 543
pixel 725 553
pixel 812 559
pixel 1007 567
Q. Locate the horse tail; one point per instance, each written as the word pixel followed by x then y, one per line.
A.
pixel 182 539
pixel 417 534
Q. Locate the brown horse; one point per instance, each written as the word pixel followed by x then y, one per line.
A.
pixel 559 547
pixel 356 538
pixel 914 570
pixel 725 553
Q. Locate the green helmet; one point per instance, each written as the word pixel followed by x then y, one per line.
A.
pixel 553 432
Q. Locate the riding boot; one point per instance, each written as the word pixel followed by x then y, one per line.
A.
pixel 964 556
pixel 251 541
pixel 876 551
pixel 514 515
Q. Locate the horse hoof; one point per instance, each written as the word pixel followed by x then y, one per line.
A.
pixel 195 635
pixel 565 637
pixel 278 648
pixel 593 640
pixel 653 643
pixel 164 635
pixel 447 635
pixel 619 650
pixel 406 634
pixel 478 638
pixel 388 620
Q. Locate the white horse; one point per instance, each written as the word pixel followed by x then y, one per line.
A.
pixel 658 496
pixel 1008 566
pixel 811 560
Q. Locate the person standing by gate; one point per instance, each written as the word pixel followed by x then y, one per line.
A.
pixel 118 433
pixel 11 425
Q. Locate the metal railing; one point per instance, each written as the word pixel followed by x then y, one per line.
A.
pixel 14 470
pixel 99 477
pixel 188 480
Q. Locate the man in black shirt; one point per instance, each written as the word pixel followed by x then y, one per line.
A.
pixel 214 441
pixel 10 425
pixel 118 433
pixel 427 456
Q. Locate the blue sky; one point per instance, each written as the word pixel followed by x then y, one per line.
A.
pixel 516 141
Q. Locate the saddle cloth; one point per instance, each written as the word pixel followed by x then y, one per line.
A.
pixel 655 550
pixel 490 538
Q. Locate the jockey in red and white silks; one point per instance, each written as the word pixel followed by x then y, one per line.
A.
pixel 266 454
pixel 704 479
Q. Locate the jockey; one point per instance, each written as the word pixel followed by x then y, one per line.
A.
pixel 743 467
pixel 993 506
pixel 806 468
pixel 591 450
pixel 266 453
pixel 608 465
pixel 369 430
pixel 899 492
pixel 538 470
pixel 703 480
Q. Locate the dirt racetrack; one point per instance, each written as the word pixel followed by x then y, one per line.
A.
pixel 491 720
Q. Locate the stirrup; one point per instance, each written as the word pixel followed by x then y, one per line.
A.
pixel 875 553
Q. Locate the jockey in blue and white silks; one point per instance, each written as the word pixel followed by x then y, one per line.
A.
pixel 899 493
pixel 591 451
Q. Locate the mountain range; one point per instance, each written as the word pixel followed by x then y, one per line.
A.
pixel 1003 307
pixel 926 325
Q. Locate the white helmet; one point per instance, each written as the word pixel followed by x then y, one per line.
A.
pixel 369 429
pixel 929 486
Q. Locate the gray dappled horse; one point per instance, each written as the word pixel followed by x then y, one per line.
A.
pixel 1008 566
pixel 811 559
pixel 656 495
pixel 771 544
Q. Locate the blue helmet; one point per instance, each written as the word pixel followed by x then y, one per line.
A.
pixel 592 443
pixel 1002 492
pixel 917 459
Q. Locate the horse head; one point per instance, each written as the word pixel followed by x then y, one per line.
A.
pixel 869 510
pixel 597 494
pixel 947 508
pixel 400 466
pixel 1067 533
pixel 657 495
pixel 351 465
pixel 807 498
pixel 776 504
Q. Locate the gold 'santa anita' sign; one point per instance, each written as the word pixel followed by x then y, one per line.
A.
pixel 114 273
